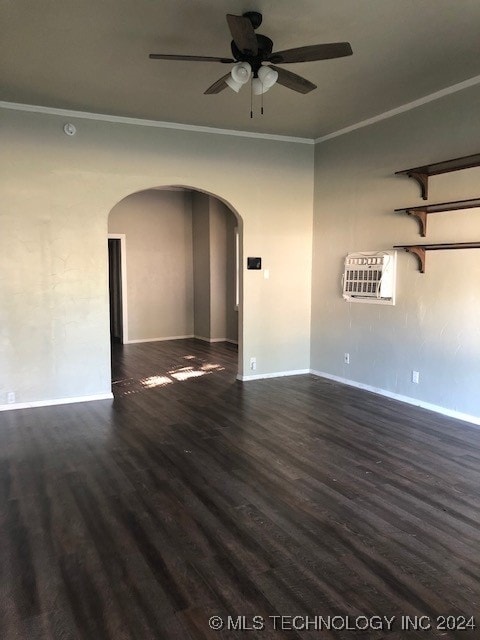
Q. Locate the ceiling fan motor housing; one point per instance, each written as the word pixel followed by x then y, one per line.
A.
pixel 265 47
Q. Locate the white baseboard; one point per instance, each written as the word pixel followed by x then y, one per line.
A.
pixel 157 339
pixel 277 374
pixel 396 396
pixel 212 339
pixel 56 401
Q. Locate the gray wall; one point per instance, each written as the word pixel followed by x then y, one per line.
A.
pixel 435 326
pixel 180 276
pixel 158 229
pixel 214 269
pixel 57 192
pixel 218 270
pixel 201 263
pixel 232 312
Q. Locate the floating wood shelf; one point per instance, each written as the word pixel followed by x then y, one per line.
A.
pixel 421 174
pixel 420 249
pixel 422 211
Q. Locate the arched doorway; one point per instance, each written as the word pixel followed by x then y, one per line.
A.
pixel 175 269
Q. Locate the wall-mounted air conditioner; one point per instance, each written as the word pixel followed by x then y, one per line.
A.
pixel 369 276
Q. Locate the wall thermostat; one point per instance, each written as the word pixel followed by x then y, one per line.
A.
pixel 70 129
pixel 254 263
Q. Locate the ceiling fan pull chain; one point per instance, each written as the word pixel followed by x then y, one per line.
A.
pixel 251 100
pixel 261 108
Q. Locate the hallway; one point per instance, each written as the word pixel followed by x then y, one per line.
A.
pixel 151 365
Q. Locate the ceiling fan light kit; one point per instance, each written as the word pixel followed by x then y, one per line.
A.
pixel 251 50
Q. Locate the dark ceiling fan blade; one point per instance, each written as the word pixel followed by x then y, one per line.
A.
pixel 293 81
pixel 312 53
pixel 162 56
pixel 243 33
pixel 218 86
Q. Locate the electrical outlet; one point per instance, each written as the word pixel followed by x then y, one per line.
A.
pixel 346 358
pixel 253 364
pixel 415 377
pixel 11 397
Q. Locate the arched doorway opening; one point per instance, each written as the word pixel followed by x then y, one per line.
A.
pixel 174 255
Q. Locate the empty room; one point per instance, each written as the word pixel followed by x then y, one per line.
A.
pixel 239 319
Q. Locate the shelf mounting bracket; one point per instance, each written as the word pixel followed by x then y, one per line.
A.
pixel 422 179
pixel 421 216
pixel 420 253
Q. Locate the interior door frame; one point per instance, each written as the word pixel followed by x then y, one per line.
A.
pixel 123 268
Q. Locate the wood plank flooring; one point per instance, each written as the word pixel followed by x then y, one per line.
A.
pixel 193 495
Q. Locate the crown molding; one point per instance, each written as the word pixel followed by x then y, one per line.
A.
pixel 460 86
pixel 86 115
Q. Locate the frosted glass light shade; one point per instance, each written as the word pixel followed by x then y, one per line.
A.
pixel 239 75
pixel 257 87
pixel 267 76
pixel 266 79
pixel 233 84
pixel 241 72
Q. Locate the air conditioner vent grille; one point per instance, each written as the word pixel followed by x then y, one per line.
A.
pixel 370 277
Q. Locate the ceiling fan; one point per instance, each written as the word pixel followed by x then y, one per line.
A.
pixel 251 50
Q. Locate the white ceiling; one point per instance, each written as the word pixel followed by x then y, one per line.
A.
pixel 92 55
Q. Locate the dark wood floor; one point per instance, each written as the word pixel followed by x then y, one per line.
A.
pixel 192 495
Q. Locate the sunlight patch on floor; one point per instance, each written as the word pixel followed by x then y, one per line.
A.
pixel 163 379
pixel 185 374
pixel 212 367
pixel 156 381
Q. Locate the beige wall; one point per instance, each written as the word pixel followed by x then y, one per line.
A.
pixel 56 193
pixel 158 229
pixel 435 326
